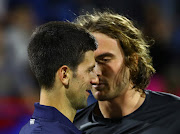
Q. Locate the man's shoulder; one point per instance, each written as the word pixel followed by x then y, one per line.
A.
pixel 30 127
pixel 162 96
pixel 163 100
pixel 46 127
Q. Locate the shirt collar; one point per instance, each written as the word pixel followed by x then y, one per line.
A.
pixel 52 114
pixel 49 113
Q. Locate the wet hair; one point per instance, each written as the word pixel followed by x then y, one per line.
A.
pixel 131 40
pixel 55 44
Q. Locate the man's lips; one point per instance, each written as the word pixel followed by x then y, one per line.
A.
pixel 99 86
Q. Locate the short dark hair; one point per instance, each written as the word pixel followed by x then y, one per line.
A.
pixel 55 44
pixel 130 38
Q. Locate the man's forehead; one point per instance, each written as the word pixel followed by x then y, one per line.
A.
pixel 89 58
pixel 108 49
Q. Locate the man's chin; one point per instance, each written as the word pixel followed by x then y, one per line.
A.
pixel 81 106
pixel 99 96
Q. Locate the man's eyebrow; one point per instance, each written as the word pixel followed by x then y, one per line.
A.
pixel 92 66
pixel 104 55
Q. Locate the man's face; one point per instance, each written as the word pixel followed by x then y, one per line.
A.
pixel 81 81
pixel 113 75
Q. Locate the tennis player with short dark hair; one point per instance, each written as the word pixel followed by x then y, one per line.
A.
pixel 61 57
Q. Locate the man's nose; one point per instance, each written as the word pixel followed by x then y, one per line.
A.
pixel 95 81
pixel 97 71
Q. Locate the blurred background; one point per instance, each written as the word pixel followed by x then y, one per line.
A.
pixel 158 19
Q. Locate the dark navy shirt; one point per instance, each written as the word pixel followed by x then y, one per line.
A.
pixel 159 114
pixel 48 120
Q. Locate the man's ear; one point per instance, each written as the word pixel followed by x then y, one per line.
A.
pixel 64 74
pixel 135 58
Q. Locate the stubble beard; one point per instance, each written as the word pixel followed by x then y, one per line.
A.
pixel 117 87
pixel 76 98
pixel 75 101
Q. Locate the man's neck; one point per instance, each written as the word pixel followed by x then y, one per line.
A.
pixel 59 101
pixel 122 105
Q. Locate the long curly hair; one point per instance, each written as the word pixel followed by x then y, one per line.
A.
pixel 131 40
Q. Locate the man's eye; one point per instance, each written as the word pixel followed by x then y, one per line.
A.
pixel 104 60
pixel 91 69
